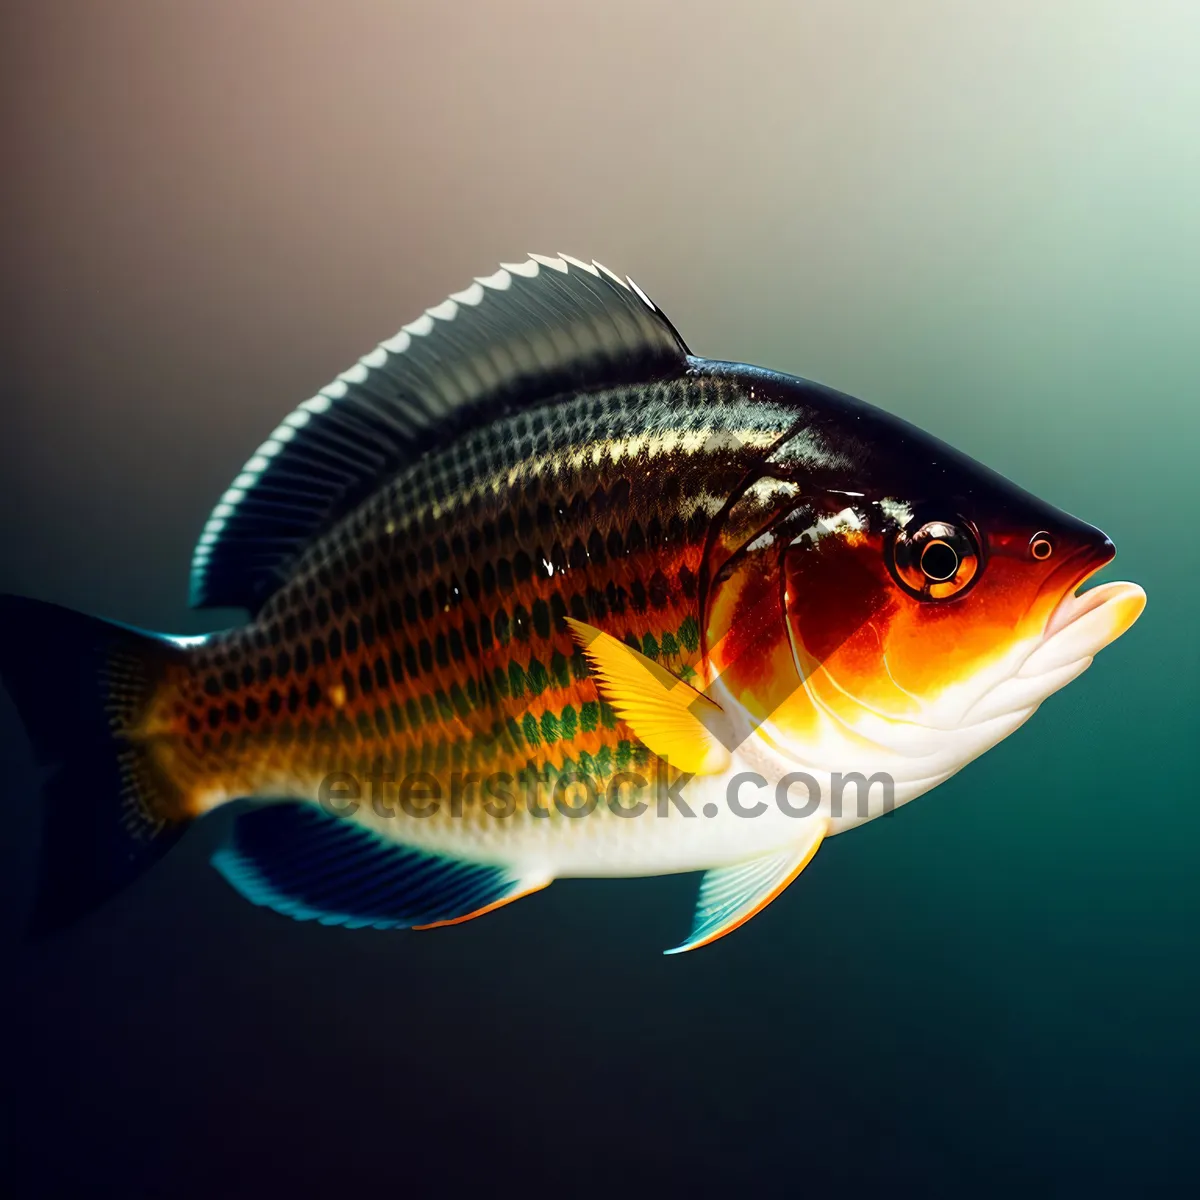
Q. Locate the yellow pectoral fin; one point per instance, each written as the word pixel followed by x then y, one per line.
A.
pixel 675 721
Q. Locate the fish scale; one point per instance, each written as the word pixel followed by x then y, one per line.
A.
pixel 427 631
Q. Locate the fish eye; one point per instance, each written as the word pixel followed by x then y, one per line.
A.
pixel 1041 546
pixel 934 560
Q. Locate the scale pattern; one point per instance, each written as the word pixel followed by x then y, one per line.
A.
pixel 426 633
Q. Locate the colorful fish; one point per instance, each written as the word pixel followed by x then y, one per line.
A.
pixel 536 593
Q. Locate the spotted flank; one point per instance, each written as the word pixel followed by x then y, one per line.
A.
pixel 533 592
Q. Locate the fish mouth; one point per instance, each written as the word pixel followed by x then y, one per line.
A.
pixel 1083 623
pixel 1079 626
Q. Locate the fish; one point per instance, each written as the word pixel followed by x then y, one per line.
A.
pixel 532 592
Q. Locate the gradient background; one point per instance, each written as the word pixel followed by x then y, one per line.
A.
pixel 984 217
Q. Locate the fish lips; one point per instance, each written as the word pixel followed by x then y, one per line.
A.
pixel 1084 623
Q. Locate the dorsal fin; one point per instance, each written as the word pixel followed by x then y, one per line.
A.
pixel 531 331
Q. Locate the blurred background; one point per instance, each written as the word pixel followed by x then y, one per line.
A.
pixel 983 217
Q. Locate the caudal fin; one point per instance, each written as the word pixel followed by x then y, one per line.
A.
pixel 82 687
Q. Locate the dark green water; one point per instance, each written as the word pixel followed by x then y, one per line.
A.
pixel 985 222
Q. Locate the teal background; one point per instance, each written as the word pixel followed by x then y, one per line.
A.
pixel 982 217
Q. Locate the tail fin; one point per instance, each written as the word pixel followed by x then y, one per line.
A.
pixel 81 686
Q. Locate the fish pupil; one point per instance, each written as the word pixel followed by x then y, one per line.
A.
pixel 939 561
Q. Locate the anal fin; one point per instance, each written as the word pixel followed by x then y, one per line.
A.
pixel 730 896
pixel 312 866
pixel 522 887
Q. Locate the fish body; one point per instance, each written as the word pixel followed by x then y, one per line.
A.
pixel 537 593
pixel 427 632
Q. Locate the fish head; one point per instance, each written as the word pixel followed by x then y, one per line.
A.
pixel 892 603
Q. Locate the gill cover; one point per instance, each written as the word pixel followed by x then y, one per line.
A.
pixel 753 664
